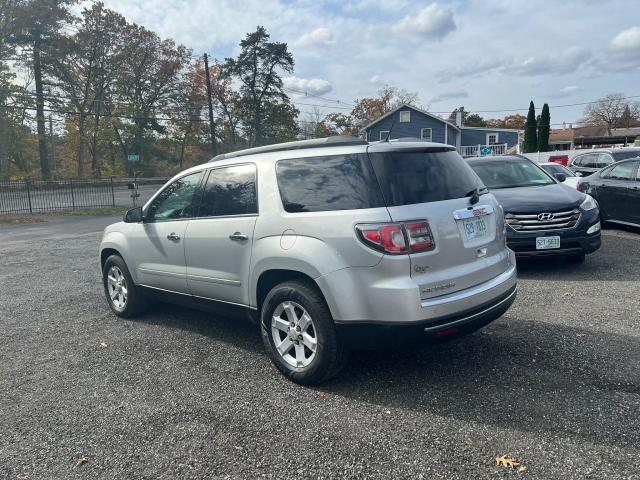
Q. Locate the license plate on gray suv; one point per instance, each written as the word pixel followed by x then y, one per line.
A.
pixel 474 221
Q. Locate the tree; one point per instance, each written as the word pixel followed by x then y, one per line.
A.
pixel 227 104
pixel 368 109
pixel 609 110
pixel 515 121
pixel 530 131
pixel 468 119
pixel 261 87
pixel 39 23
pixel 543 129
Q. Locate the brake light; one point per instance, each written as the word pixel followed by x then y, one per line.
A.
pixel 580 187
pixel 397 238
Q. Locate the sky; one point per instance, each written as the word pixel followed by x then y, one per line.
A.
pixel 483 54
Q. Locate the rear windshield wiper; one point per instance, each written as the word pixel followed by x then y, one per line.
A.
pixel 475 194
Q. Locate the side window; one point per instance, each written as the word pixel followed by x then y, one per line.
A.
pixel 230 191
pixel 590 160
pixel 624 171
pixel 337 182
pixel 578 161
pixel 176 200
pixel 604 159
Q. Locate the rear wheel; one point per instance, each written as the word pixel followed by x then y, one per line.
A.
pixel 299 334
pixel 124 298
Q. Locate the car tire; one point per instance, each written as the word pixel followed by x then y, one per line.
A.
pixel 294 315
pixel 123 296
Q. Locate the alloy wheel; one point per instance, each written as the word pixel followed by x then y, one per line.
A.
pixel 117 288
pixel 294 334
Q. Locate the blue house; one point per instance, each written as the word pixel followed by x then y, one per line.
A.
pixel 410 121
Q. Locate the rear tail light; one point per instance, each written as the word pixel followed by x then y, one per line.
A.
pixel 397 238
pixel 580 187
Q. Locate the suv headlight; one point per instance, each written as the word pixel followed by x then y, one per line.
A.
pixel 588 204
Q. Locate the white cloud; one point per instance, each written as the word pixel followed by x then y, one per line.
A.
pixel 433 22
pixel 315 86
pixel 624 49
pixel 564 91
pixel 469 68
pixel 376 80
pixel 318 38
pixel 567 61
pixel 450 96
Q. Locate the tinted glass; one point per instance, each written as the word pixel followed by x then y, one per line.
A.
pixel 624 171
pixel 577 161
pixel 590 161
pixel 176 200
pixel 624 155
pixel 554 169
pixel 230 191
pixel 339 182
pixel 418 177
pixel 510 172
pixel 604 159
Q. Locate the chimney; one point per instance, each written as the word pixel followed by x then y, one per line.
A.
pixel 459 117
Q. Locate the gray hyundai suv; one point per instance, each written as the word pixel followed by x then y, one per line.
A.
pixel 329 244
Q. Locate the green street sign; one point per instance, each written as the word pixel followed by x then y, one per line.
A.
pixel 133 158
pixel 486 150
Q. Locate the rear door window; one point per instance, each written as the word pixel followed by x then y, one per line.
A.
pixel 604 159
pixel 419 177
pixel 230 191
pixel 624 171
pixel 336 182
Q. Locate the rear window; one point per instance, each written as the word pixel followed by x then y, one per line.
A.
pixel 624 155
pixel 337 182
pixel 417 177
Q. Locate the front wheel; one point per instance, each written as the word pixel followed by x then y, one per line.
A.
pixel 299 334
pixel 123 296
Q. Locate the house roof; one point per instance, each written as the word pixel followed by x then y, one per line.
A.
pixel 405 105
pixel 561 135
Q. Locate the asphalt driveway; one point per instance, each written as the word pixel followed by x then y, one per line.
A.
pixel 555 383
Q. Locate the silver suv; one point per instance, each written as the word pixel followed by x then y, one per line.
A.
pixel 330 244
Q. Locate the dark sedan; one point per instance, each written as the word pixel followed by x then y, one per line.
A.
pixel 543 216
pixel 617 190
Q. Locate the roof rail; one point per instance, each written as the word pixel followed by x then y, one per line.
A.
pixel 336 141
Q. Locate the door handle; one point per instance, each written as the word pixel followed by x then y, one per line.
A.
pixel 174 237
pixel 238 237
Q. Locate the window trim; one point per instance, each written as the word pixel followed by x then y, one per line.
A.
pixel 430 134
pixel 489 134
pixel 408 113
pixel 205 178
pixel 384 131
pixel 146 207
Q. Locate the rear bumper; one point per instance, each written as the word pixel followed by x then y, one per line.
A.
pixel 392 335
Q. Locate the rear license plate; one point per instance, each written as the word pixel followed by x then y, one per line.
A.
pixel 547 243
pixel 475 227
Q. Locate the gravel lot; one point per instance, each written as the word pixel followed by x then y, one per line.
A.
pixel 555 383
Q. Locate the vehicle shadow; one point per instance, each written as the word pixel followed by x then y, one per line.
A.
pixel 528 376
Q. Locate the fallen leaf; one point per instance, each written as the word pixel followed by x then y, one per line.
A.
pixel 506 461
pixel 103 344
pixel 523 469
pixel 566 294
pixel 387 412
pixel 323 394
pixel 82 460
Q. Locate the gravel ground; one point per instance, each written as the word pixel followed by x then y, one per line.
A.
pixel 555 383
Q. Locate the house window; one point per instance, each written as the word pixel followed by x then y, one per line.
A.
pixel 426 135
pixel 405 116
pixel 383 134
pixel 492 138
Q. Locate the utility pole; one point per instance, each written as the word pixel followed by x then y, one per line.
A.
pixel 53 147
pixel 212 125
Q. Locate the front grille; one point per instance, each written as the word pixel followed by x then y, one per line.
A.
pixel 535 222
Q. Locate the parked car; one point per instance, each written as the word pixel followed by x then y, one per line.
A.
pixel 543 216
pixel 617 190
pixel 561 173
pixel 329 244
pixel 593 160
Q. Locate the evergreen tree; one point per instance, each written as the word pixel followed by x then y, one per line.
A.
pixel 530 131
pixel 543 129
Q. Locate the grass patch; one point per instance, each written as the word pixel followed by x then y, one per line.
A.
pixel 19 219
pixel 78 212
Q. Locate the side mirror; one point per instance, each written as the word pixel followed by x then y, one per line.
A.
pixel 561 177
pixel 133 215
